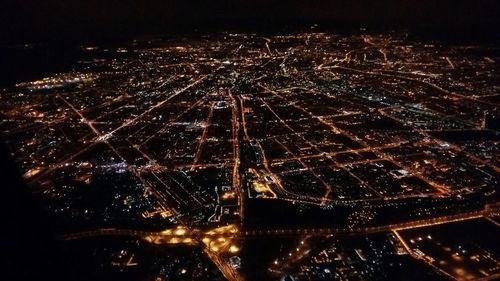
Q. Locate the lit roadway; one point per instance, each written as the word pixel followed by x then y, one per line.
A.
pixel 188 235
pixel 334 129
pixel 203 137
pixel 99 137
pixel 196 234
pixel 377 150
pixel 396 76
pixel 236 112
pixel 231 233
pixel 182 234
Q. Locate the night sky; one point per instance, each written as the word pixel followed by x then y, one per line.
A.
pixel 79 20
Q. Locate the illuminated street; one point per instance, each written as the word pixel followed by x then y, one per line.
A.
pixel 288 156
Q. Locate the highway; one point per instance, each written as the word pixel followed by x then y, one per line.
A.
pixel 196 233
pixel 231 234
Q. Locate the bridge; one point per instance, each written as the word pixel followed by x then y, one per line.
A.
pixel 185 235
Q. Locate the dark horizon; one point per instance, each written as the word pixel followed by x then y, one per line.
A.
pixel 78 21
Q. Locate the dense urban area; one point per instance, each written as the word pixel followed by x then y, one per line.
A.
pixel 301 156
